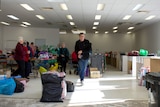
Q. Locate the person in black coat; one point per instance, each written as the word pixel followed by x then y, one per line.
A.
pixel 82 49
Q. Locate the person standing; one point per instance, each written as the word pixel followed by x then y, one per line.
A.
pixel 82 49
pixel 20 57
pixel 26 59
pixel 63 57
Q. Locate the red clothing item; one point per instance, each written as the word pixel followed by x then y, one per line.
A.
pixel 19 52
pixel 74 57
pixel 26 58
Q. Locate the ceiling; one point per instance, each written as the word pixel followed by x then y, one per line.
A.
pixel 83 13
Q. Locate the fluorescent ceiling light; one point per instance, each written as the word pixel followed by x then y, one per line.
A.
pixel 27 7
pixel 78 31
pixel 137 7
pixel 96 32
pixel 129 32
pixel 69 17
pixel 62 32
pixel 26 23
pixel 23 25
pixel 106 32
pixel 40 17
pixel 150 17
pixel 64 6
pixel 97 17
pixel 94 27
pixel 5 23
pixel 100 6
pixel 115 31
pixel 96 23
pixel 13 17
pixel 130 28
pixel 116 27
pixel 126 17
pixel 72 23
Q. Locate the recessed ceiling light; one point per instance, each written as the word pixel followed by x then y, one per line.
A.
pixel 94 27
pixel 97 17
pixel 27 7
pixel 137 7
pixel 26 23
pixel 100 6
pixel 150 17
pixel 78 31
pixel 62 32
pixel 96 32
pixel 126 17
pixel 13 17
pixel 63 6
pixel 96 23
pixel 115 31
pixel 40 17
pixel 69 17
pixel 116 27
pixel 72 23
pixel 5 23
pixel 106 32
pixel 130 28
pixel 23 25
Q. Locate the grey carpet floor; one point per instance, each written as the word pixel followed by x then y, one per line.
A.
pixel 10 102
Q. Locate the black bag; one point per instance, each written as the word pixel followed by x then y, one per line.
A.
pixel 19 86
pixel 52 88
pixel 70 86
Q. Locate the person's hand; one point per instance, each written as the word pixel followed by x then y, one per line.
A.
pixel 80 52
pixel 62 55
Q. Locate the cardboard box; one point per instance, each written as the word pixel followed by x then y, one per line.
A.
pixel 95 74
pixel 93 69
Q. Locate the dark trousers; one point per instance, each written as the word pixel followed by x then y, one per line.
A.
pixel 21 68
pixel 63 66
pixel 27 68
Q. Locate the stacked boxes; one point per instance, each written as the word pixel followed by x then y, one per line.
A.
pixel 94 73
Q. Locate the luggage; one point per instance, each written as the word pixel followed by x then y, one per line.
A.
pixel 70 86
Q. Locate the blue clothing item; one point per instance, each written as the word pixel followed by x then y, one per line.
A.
pixel 82 66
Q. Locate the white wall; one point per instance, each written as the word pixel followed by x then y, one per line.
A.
pixel 149 38
pixel 11 34
pixel 103 42
pixel 1 33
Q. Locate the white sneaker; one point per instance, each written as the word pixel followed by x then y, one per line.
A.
pixel 82 83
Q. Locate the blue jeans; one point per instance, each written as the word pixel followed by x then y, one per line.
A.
pixel 82 65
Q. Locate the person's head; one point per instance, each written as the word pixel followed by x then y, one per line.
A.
pixel 32 43
pixel 81 36
pixel 20 40
pixel 63 45
pixel 25 44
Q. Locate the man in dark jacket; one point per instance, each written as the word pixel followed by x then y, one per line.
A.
pixel 82 49
pixel 20 57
